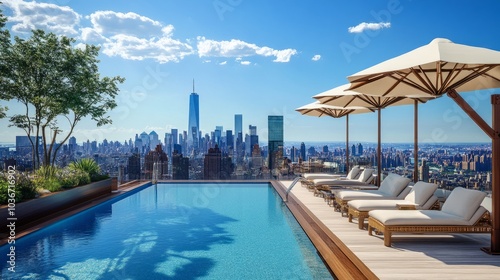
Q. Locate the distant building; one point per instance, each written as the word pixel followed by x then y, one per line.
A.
pixel 239 149
pixel 229 141
pixel 303 151
pixel 216 166
pixel 180 166
pixel 424 171
pixel 194 120
pixel 158 157
pixel 275 141
pixel 145 142
pixel 24 147
pixel 175 135
pixel 153 139
pixel 134 166
pixel 212 164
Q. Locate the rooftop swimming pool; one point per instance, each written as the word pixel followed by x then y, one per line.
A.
pixel 173 231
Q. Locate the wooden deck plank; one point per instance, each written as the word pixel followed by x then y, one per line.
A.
pixel 413 256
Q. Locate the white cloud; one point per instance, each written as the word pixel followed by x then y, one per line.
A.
pixel 316 57
pixel 130 35
pixel 368 26
pixel 135 37
pixel 27 16
pixel 245 62
pixel 223 63
pixel 237 48
pixel 109 23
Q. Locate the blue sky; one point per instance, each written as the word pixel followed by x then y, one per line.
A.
pixel 259 58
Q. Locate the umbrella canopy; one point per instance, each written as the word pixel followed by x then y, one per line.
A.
pixel 443 67
pixel 341 96
pixel 432 69
pixel 318 109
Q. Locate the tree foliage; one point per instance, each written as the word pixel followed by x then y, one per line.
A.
pixel 4 45
pixel 55 80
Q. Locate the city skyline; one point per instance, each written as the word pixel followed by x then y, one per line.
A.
pixel 258 66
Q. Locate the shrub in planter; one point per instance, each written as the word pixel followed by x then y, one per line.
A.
pixel 87 165
pixel 46 178
pixel 72 178
pixel 26 186
pixel 51 184
pixel 23 188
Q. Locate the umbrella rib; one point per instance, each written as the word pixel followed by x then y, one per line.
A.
pixel 473 75
pixel 453 73
pixel 427 82
pixel 411 83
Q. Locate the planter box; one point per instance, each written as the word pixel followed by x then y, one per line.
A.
pixel 29 211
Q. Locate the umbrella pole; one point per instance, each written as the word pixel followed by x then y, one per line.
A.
pixel 494 133
pixel 495 178
pixel 379 150
pixel 347 168
pixel 415 141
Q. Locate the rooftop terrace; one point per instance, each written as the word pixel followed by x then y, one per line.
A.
pixel 416 256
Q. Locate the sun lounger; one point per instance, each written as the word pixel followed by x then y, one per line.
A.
pixel 321 186
pixel 365 177
pixel 392 187
pixel 421 196
pixel 318 189
pixel 309 177
pixel 462 212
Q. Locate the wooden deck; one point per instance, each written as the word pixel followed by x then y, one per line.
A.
pixel 416 256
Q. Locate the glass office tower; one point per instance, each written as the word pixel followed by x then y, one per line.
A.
pixel 275 141
pixel 194 120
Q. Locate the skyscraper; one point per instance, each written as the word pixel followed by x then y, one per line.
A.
pixel 159 157
pixel 175 137
pixel 212 164
pixel 238 124
pixel 275 140
pixel 238 138
pixel 303 151
pixel 194 119
pixel 253 139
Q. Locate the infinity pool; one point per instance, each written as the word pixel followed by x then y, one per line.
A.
pixel 174 231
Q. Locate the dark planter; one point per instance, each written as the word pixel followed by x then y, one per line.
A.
pixel 32 210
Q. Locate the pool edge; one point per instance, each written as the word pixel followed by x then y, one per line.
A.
pixel 337 256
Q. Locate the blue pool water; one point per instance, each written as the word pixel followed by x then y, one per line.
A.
pixel 173 231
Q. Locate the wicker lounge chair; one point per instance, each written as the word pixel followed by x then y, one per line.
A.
pixel 309 177
pixel 461 213
pixel 324 186
pixel 392 187
pixel 421 196
pixel 364 178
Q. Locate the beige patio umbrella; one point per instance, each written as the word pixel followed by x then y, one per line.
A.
pixel 342 97
pixel 439 68
pixel 318 109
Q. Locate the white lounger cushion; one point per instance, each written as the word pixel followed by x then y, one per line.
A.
pixel 369 194
pixel 312 176
pixel 393 184
pixel 372 204
pixel 365 175
pixel 463 202
pixel 424 217
pixel 353 173
pixel 421 192
pixel 376 204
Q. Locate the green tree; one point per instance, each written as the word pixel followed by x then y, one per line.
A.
pixel 4 45
pixel 55 80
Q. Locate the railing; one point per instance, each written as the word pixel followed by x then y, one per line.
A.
pixel 295 181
